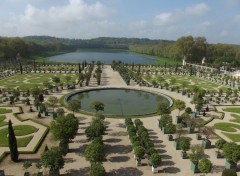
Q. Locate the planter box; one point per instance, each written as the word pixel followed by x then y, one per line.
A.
pixel 2 173
pixel 138 163
pixel 206 144
pixel 184 155
pixel 178 119
pixel 218 154
pixel 170 137
pixel 194 168
pixel 176 145
pixel 229 165
pixel 190 130
pixel 154 169
pixel 198 136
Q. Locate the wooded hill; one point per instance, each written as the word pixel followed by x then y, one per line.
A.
pixel 194 48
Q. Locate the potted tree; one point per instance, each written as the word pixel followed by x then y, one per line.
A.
pixel 231 152
pixel 184 145
pixel 97 170
pixel 170 128
pixel 179 134
pixel 139 153
pixel 180 105
pixel 26 165
pixel 219 145
pixel 205 166
pixel 53 160
pixel 191 124
pixel 196 155
pixel 155 160
pixel 207 131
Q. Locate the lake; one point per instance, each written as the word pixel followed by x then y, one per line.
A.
pixel 104 57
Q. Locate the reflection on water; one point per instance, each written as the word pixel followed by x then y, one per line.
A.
pixel 122 101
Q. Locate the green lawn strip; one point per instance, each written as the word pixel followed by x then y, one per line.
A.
pixel 2 122
pixel 233 137
pixel 33 80
pixel 236 118
pixel 4 111
pixel 20 130
pixel 228 127
pixel 159 60
pixel 234 110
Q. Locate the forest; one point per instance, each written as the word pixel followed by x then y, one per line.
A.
pixel 193 48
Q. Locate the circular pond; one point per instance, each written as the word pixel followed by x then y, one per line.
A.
pixel 121 102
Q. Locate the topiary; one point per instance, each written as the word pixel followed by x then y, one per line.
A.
pixel 205 166
pixel 220 143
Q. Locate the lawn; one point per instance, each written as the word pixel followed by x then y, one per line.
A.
pixel 236 118
pixel 234 110
pixel 233 137
pixel 28 81
pixel 20 130
pixel 4 111
pixel 190 82
pixel 228 127
pixel 2 122
pixel 159 60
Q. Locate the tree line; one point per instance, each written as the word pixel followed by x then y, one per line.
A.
pixel 194 49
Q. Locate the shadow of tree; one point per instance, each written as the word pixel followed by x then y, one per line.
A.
pixel 121 125
pixel 80 151
pixel 168 163
pixel 166 157
pixel 69 160
pixel 170 170
pixel 119 158
pixel 128 171
pixel 121 133
pixel 112 140
pixel 217 168
pixel 120 149
pixel 74 172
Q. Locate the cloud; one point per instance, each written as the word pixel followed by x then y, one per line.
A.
pixel 168 18
pixel 75 16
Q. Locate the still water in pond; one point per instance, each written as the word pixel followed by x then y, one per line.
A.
pixel 104 57
pixel 121 102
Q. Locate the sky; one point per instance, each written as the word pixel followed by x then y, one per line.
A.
pixel 217 20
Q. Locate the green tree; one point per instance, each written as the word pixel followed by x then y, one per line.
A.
pixel 139 152
pixel 60 111
pixel 197 153
pixel 97 105
pixel 155 159
pixel 74 105
pixel 96 129
pixel 64 128
pixel 95 153
pixel 26 165
pixel 52 102
pixel 205 166
pixel 180 105
pixel 184 144
pixel 220 143
pixel 12 142
pixel 97 170
pixel 163 108
pixel 56 80
pixel 231 152
pixel 67 78
pixel 53 160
